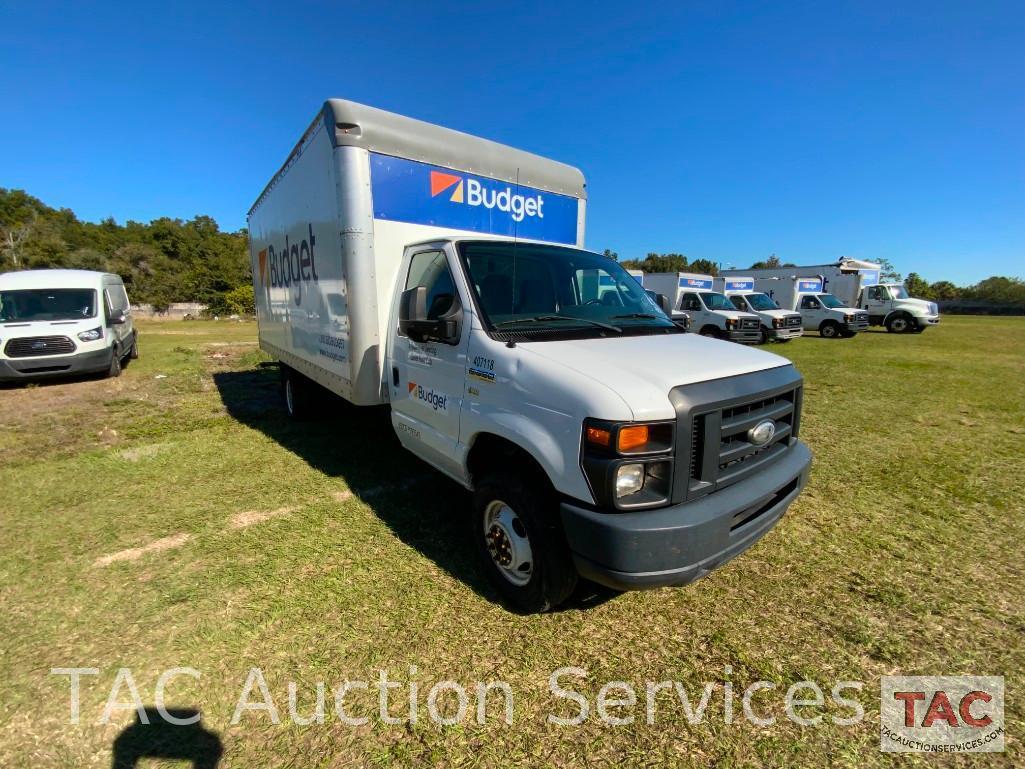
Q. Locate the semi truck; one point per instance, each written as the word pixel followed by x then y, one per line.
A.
pixel 711 313
pixel 857 284
pixel 777 324
pixel 402 263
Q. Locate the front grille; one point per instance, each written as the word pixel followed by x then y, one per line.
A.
pixel 36 346
pixel 793 321
pixel 715 418
pixel 750 323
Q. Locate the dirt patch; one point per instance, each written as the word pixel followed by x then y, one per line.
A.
pixel 135 553
pixel 252 517
pixel 141 452
pixel 342 496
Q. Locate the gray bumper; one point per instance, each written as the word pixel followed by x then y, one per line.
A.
pixel 746 336
pixel 676 545
pixel 27 369
pixel 791 332
pixel 856 326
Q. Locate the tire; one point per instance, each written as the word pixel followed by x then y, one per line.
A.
pixel 519 539
pixel 764 336
pixel 297 393
pixel 900 324
pixel 830 329
pixel 115 364
pixel 135 347
pixel 711 331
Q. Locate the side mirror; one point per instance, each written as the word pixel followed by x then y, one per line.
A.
pixel 663 302
pixel 414 321
pixel 117 318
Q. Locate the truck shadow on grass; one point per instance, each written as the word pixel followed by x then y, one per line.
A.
pixel 137 744
pixel 423 508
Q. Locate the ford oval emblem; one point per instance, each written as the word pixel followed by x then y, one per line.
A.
pixel 762 433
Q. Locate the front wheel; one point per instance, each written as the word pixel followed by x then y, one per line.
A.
pixel 763 337
pixel 830 329
pixel 115 363
pixel 899 324
pixel 135 347
pixel 519 539
pixel 712 332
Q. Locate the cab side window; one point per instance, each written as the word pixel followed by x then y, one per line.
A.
pixel 809 303
pixel 875 293
pixel 430 270
pixel 691 302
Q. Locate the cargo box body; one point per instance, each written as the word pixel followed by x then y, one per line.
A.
pixel 328 233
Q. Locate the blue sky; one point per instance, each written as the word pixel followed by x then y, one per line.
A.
pixel 720 130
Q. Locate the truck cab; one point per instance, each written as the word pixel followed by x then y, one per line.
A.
pixel 777 324
pixel 890 305
pixel 711 313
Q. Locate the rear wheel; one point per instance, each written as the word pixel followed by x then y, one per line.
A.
pixel 830 329
pixel 135 347
pixel 297 393
pixel 519 539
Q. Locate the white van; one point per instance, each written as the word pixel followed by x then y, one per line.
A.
pixel 63 322
pixel 399 262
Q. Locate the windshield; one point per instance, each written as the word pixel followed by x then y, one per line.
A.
pixel 527 287
pixel 898 292
pixel 830 301
pixel 42 304
pixel 716 301
pixel 761 302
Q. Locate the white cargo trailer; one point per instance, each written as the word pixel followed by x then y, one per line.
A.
pixel 398 262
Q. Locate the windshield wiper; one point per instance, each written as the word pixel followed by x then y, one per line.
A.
pixel 638 315
pixel 548 318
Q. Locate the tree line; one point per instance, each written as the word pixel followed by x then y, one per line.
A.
pixel 165 261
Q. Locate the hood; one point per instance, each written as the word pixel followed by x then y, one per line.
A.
pixel 926 308
pixel 16 329
pixel 781 313
pixel 734 314
pixel 642 370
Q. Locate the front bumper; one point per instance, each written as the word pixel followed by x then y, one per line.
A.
pixel 676 545
pixel 745 336
pixel 27 369
pixel 928 320
pixel 856 326
pixel 791 332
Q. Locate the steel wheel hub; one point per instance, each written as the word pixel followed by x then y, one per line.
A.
pixel 508 544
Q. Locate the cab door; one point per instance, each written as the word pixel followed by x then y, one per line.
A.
pixel 115 302
pixel 691 304
pixel 812 312
pixel 877 301
pixel 427 379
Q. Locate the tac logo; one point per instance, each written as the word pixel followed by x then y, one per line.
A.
pixel 473 192
pixel 942 714
pixel 437 401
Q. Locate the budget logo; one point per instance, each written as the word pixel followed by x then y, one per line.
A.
pixel 292 265
pixel 473 192
pixel 437 401
pixel 942 714
pixel 262 257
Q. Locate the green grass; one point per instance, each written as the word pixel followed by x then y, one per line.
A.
pixel 903 556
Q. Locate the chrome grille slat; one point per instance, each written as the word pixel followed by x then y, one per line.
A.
pixel 38 346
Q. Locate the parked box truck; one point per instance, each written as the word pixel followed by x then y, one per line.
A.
pixel 397 262
pixel 712 314
pixel 777 324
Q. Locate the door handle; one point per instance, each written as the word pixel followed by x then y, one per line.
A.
pixel 395 376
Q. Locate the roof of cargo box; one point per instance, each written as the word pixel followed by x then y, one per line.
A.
pixel 357 125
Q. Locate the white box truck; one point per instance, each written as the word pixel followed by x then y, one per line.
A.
pixel 820 311
pixel 58 323
pixel 711 313
pixel 397 262
pixel 680 318
pixel 777 324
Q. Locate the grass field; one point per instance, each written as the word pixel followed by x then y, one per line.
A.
pixel 173 517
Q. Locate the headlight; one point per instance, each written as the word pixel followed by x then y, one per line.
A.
pixel 731 323
pixel 91 335
pixel 628 465
pixel 777 322
pixel 849 318
pixel 629 480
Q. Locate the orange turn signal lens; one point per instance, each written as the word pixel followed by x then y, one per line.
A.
pixel 632 437
pixel 599 436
